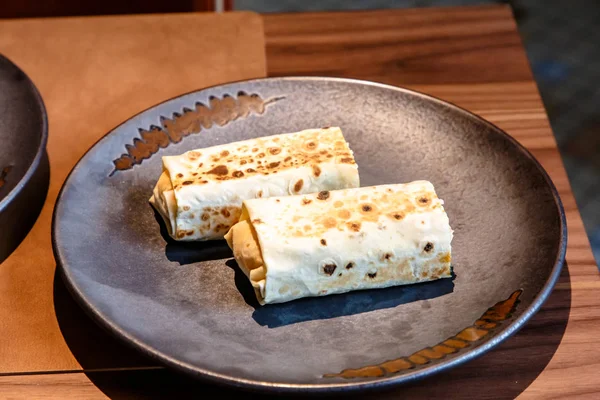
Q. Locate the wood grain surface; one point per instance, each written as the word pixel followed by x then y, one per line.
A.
pixel 472 57
pixel 425 45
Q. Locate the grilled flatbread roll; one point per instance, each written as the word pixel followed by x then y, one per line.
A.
pixel 200 193
pixel 343 240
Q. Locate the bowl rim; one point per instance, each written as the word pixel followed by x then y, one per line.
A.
pixel 39 155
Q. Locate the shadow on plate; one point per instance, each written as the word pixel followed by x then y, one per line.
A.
pixel 503 373
pixel 337 305
pixel 90 344
pixel 186 253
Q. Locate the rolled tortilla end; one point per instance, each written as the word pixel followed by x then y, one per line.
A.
pixel 242 239
pixel 200 193
pixel 339 241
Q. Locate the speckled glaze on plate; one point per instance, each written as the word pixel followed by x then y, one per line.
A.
pixel 190 307
pixel 24 167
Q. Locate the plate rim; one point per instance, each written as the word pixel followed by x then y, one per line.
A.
pixel 384 382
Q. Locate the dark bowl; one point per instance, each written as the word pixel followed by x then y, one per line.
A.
pixel 24 168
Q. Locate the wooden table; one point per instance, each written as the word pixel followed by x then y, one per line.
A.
pixel 474 58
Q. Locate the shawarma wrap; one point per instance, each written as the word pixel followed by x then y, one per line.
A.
pixel 200 193
pixel 342 240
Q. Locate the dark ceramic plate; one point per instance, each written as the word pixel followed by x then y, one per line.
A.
pixel 189 306
pixel 24 170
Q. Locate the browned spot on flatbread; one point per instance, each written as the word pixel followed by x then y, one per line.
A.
pixel 372 275
pixel 344 214
pixel 338 204
pixel 221 227
pixel 424 200
pixel 193 155
pixel 445 258
pixel 260 155
pixel 219 170
pixel 224 153
pixel 243 162
pixel 288 158
pixel 254 150
pixel 180 234
pixel 225 212
pixel 186 208
pixel 428 247
pixel 353 226
pixel 347 160
pixel 329 222
pixel 187 183
pixel 257 221
pixel 366 208
pixel 323 242
pixel 250 170
pixel 306 201
pixel 323 195
pixel 179 175
pixel 350 265
pixel 298 185
pixel 310 145
pixel 274 164
pixel 237 174
pixel 274 150
pixel 205 216
pixel 329 269
pixel 316 170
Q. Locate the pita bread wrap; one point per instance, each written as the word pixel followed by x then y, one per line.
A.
pixel 200 193
pixel 337 241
